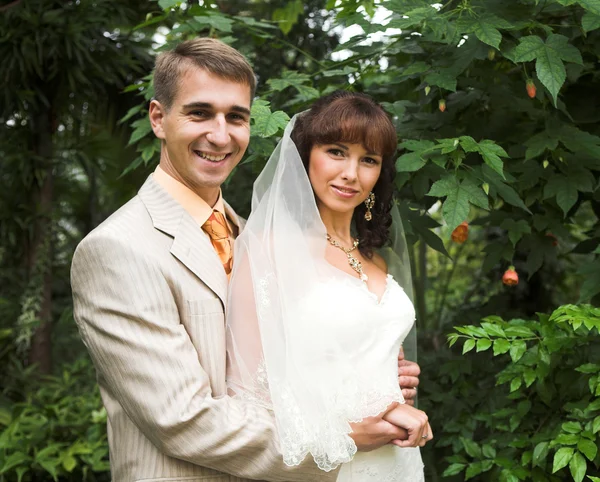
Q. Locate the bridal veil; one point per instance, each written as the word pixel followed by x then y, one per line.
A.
pixel 279 255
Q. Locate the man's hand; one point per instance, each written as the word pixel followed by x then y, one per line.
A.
pixel 408 378
pixel 374 432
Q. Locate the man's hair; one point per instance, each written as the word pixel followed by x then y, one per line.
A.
pixel 209 54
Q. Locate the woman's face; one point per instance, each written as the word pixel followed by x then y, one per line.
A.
pixel 342 174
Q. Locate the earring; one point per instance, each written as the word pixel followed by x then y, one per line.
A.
pixel 369 202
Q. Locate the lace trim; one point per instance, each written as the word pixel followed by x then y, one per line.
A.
pixel 327 438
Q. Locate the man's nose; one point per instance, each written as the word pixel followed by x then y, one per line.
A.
pixel 218 133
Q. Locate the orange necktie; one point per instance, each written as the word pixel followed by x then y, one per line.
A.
pixel 217 229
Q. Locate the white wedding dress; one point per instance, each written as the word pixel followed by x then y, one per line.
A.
pixel 371 331
pixel 310 342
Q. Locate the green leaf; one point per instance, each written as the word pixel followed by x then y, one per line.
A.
pixel 567 439
pixel 578 467
pixel 266 125
pixel 517 350
pixel 562 457
pixel 592 6
pixel 416 68
pixel 596 424
pixel 549 57
pixel 571 427
pixel 551 72
pixel 540 452
pixel 215 20
pixel 454 469
pixel 528 48
pixel 458 196
pixel 492 329
pixel 13 460
pixel 501 346
pixel 564 189
pixel 506 192
pixel 142 130
pixel 491 153
pixel 577 140
pixel 588 368
pixel 130 113
pixel 69 462
pixel 587 448
pixel 443 79
pixel 591 285
pixel 516 229
pixel 291 78
pixel 287 16
pixel 409 162
pixel 168 4
pixel 471 447
pixel 515 384
pixel 483 344
pixel 590 21
pixel 529 377
pixel 537 144
pixel 487 33
pixel 468 346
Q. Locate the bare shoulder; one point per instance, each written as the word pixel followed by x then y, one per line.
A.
pixel 379 262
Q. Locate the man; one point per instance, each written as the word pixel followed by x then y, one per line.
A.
pixel 150 286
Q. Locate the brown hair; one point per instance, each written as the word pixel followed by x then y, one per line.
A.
pixel 210 54
pixel 357 119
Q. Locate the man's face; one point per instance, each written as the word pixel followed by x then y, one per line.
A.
pixel 205 132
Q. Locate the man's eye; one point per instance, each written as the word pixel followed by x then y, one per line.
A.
pixel 198 113
pixel 237 117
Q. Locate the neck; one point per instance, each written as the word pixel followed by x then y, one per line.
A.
pixel 209 195
pixel 337 224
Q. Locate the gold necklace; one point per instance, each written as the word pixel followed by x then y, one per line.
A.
pixel 354 263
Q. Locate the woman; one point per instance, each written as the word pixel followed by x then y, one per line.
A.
pixel 315 319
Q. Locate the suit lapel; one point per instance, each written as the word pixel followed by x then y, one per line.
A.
pixel 190 245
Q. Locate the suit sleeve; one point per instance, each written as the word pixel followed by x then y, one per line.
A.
pixel 128 319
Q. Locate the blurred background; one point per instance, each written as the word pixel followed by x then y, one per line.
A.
pixel 497 109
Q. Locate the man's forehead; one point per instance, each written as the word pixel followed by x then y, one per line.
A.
pixel 197 85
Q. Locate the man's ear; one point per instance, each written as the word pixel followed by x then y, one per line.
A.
pixel 156 114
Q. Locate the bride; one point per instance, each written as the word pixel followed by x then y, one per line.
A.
pixel 317 312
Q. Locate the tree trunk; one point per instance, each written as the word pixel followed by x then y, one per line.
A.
pixel 41 344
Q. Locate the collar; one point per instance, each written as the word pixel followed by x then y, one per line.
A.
pixel 196 207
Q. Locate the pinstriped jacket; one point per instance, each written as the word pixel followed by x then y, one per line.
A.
pixel 149 294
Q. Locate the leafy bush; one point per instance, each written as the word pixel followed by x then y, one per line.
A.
pixel 541 419
pixel 59 431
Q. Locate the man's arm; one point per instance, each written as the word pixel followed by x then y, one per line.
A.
pixel 128 319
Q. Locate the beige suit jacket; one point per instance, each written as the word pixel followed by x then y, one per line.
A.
pixel 149 292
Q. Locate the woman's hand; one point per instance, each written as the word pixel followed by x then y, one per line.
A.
pixel 413 420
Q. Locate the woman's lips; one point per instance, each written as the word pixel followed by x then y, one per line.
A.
pixel 344 192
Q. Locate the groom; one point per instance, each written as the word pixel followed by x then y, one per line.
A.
pixel 150 284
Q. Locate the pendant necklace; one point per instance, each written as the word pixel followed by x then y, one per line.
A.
pixel 354 263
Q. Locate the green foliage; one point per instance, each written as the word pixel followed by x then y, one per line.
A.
pixel 545 416
pixel 58 432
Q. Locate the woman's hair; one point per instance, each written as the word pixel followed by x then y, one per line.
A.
pixel 355 118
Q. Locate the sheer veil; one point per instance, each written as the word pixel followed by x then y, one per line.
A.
pixel 279 257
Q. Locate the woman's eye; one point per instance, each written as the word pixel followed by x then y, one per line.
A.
pixel 336 152
pixel 370 160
